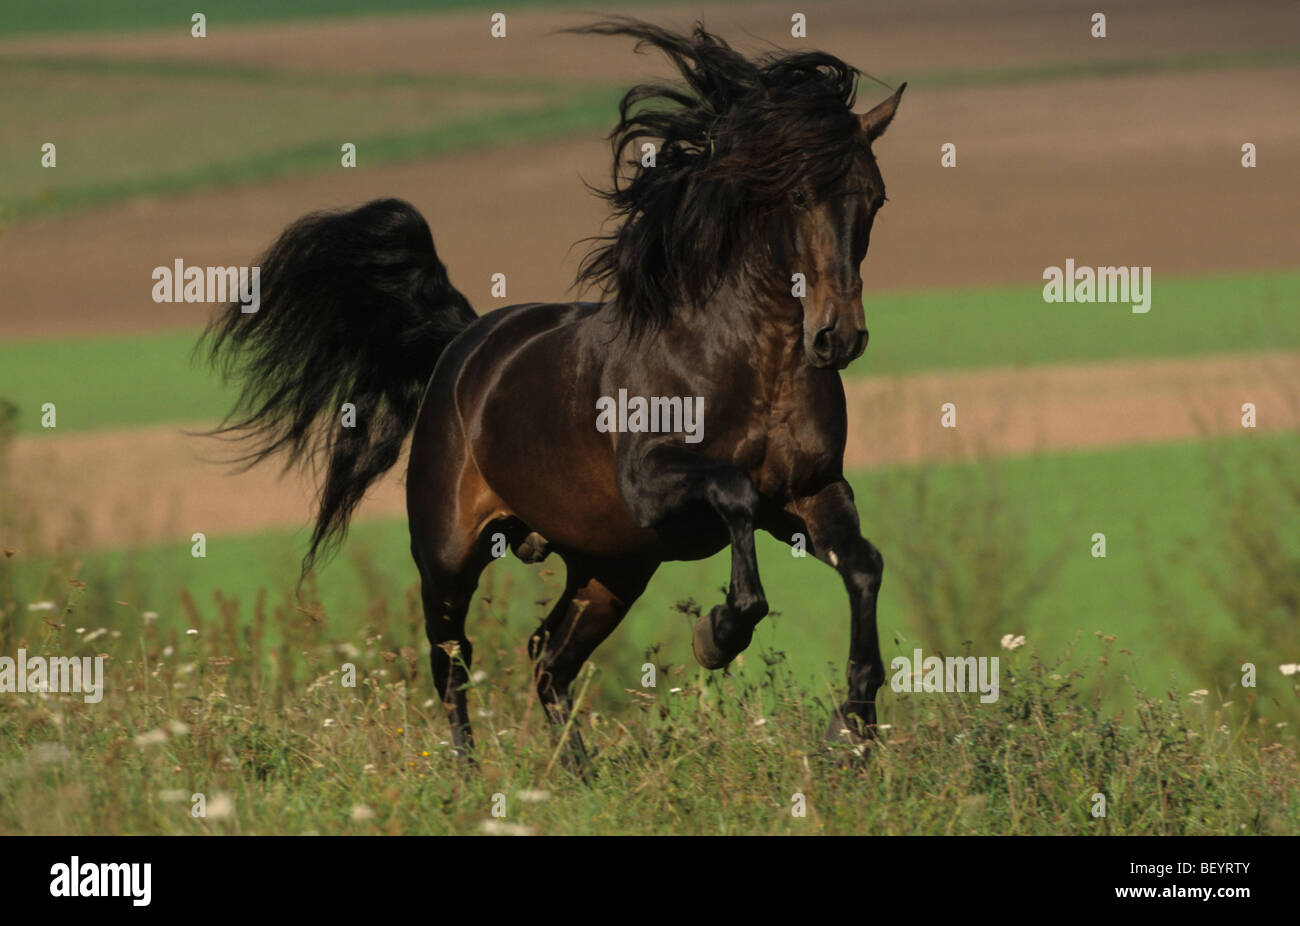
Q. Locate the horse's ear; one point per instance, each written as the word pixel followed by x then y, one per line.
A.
pixel 875 122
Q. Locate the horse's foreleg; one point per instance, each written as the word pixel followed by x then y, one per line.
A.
pixel 669 481
pixel 834 537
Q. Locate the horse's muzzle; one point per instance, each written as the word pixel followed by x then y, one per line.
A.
pixel 829 349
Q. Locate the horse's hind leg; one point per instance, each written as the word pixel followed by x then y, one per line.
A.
pixel 451 550
pixel 596 597
pixel 446 597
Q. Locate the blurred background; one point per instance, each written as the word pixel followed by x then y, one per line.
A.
pixel 1073 419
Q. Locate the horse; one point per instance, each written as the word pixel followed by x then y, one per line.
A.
pixel 733 277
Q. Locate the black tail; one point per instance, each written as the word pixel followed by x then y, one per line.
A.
pixel 356 308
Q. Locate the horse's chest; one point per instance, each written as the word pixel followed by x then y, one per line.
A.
pixel 791 446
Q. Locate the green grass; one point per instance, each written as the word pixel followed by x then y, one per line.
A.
pixel 292 751
pixel 127 381
pixel 1098 700
pixel 1013 326
pixel 110 382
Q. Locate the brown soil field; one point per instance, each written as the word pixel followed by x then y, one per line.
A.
pixel 157 484
pixel 1139 169
pixel 880 36
pixel 1123 171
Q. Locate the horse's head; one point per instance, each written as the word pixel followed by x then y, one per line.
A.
pixel 761 170
pixel 831 233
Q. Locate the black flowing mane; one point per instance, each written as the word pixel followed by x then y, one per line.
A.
pixel 733 144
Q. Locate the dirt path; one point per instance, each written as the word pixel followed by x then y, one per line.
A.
pixel 153 485
pixel 1068 407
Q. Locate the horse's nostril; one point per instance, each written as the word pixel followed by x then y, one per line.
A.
pixel 823 341
pixel 861 344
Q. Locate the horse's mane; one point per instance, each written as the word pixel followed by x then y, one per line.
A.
pixel 732 144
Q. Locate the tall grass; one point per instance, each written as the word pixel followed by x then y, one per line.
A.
pixel 983 591
pixel 261 724
pixel 1247 565
pixel 243 702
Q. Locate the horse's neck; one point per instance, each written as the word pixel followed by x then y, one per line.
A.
pixel 770 322
pixel 743 338
pixel 742 326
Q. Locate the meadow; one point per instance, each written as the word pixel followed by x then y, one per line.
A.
pixel 233 690
pixel 1129 684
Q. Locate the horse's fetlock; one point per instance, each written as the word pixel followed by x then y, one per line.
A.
pixel 749 607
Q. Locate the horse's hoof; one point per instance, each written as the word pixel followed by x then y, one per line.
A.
pixel 577 764
pixel 704 642
pixel 840 732
pixel 852 731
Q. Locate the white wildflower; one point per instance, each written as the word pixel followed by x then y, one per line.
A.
pixel 152 738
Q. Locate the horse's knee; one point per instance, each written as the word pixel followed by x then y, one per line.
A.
pixel 543 681
pixel 875 559
pixel 862 556
pixel 875 566
pixel 862 566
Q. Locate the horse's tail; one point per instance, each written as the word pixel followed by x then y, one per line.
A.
pixel 355 309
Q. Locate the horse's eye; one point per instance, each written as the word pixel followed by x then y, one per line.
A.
pixel 799 198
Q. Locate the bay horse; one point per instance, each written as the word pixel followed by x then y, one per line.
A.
pixel 733 276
